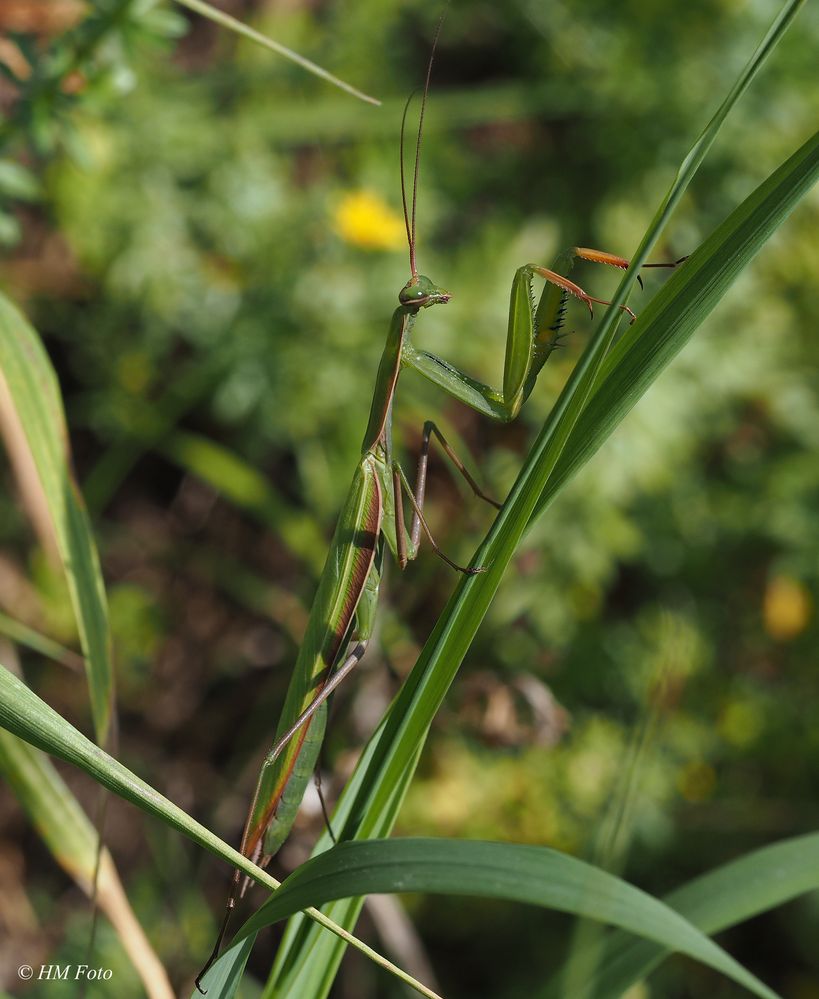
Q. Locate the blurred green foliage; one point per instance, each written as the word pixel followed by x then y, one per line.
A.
pixel 642 691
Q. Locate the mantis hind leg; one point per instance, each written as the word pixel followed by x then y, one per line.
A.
pixel 344 670
pixel 324 810
pixel 240 881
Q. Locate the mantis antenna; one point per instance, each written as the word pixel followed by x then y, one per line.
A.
pixel 410 225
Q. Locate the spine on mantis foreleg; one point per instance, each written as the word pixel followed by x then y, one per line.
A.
pixel 349 563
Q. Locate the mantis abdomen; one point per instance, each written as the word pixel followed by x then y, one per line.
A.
pixel 290 764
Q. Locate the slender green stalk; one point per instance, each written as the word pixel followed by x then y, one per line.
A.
pixel 32 720
pixel 23 635
pixel 599 393
pixel 226 21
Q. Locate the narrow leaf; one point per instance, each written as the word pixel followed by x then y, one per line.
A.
pixel 25 715
pixel 32 389
pixel 536 875
pixel 386 769
pixel 679 308
pixel 72 839
pixel 737 891
pixel 231 23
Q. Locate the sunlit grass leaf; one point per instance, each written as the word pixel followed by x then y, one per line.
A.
pixel 72 839
pixel 23 635
pixel 744 888
pixel 34 394
pixel 232 24
pixel 531 874
pixel 25 715
pixel 672 316
pixel 597 395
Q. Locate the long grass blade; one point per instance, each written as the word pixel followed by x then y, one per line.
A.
pixel 72 839
pixel 678 309
pixel 530 874
pixel 23 635
pixel 29 718
pixel 737 891
pixel 31 388
pixel 564 445
pixel 232 24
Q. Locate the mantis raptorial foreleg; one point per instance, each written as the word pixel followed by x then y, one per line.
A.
pixel 531 336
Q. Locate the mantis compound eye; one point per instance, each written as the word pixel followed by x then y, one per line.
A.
pixel 421 292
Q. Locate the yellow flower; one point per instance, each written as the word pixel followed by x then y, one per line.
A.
pixel 364 219
pixel 786 608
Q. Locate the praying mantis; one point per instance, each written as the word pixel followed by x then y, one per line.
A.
pixel 372 518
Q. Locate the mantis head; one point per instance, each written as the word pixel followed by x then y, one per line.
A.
pixel 419 292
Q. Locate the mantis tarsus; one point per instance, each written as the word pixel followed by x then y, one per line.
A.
pixel 342 616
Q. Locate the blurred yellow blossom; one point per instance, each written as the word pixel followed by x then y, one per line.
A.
pixel 786 607
pixel 364 219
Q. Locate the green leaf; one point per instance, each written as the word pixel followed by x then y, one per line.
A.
pixel 673 315
pixel 596 397
pixel 74 843
pixel 636 360
pixel 536 875
pixel 25 715
pixel 225 977
pixel 35 397
pixel 18 182
pixel 23 635
pixel 226 21
pixel 744 888
pixel 52 808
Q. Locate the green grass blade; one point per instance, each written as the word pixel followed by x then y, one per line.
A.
pixel 225 977
pixel 737 891
pixel 35 395
pixel 52 809
pixel 226 21
pixel 31 719
pixel 673 315
pixel 563 446
pixel 25 715
pixel 535 875
pixel 23 635
pixel 635 361
pixel 73 841
pixel 691 163
pixel 315 977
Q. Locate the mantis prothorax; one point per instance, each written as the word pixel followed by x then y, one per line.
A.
pixel 372 518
